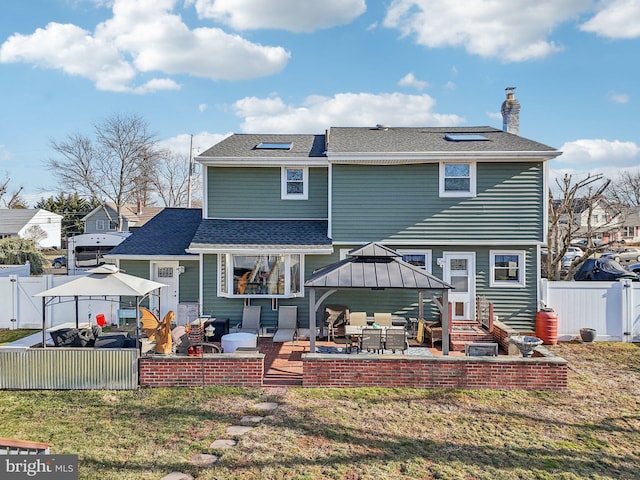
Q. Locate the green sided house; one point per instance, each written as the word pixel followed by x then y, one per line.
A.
pixel 467 204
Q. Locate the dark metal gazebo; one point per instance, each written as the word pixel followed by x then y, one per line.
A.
pixel 377 267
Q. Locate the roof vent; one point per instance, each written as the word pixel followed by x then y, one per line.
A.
pixel 380 126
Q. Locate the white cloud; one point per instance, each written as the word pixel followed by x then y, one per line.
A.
pixel 410 80
pixel 495 116
pixel 179 144
pixel 345 109
pixel 617 19
pixel 621 98
pixel 202 107
pixel 142 37
pixel 291 15
pixel 510 30
pixel 589 153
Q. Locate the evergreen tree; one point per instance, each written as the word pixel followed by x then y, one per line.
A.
pixel 72 207
pixel 18 251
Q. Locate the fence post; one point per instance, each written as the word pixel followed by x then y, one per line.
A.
pixel 626 309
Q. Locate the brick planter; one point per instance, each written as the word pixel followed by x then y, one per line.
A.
pixel 236 370
pixel 504 373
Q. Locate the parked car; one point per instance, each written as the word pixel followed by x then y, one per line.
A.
pixel 603 269
pixel 627 254
pixel 59 262
pixel 634 267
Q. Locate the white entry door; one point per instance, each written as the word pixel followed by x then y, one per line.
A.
pixel 460 271
pixel 167 273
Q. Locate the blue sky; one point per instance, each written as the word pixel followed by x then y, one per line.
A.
pixel 214 67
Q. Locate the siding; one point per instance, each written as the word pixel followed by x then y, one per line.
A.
pixel 139 268
pixel 189 282
pixel 231 308
pixel 401 203
pixel 255 193
pixel 516 307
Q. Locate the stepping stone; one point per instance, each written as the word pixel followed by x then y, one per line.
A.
pixel 265 406
pixel 223 443
pixel 177 476
pixel 238 429
pixel 203 460
pixel 251 419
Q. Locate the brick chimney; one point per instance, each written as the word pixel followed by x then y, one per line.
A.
pixel 511 112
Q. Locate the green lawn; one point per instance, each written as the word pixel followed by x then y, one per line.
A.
pixel 590 431
pixel 8 336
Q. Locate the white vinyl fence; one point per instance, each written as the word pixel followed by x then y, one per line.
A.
pixel 611 308
pixel 20 309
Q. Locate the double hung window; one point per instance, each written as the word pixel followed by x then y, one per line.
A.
pixel 507 268
pixel 457 179
pixel 294 183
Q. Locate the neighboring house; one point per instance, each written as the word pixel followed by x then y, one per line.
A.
pixel 157 251
pixel 40 225
pixel 629 227
pixel 468 204
pixel 104 218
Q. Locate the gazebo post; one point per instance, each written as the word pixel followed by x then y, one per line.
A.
pixel 445 321
pixel 312 320
pixel 44 322
pixel 77 316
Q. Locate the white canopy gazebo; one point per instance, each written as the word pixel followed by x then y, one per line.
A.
pixel 101 282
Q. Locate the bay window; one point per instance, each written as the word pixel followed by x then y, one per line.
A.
pixel 261 275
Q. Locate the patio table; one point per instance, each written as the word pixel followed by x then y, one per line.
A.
pixel 354 332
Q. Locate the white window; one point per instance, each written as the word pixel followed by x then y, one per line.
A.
pixel 419 258
pixel 295 183
pixel 99 224
pixel 507 268
pixel 270 276
pixel 457 179
pixel 165 272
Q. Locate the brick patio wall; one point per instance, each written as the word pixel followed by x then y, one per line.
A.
pixel 236 370
pixel 504 372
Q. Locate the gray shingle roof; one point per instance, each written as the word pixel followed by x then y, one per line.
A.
pixel 168 233
pixel 243 145
pixel 371 140
pixel 12 220
pixel 374 266
pixel 223 233
pixel 410 139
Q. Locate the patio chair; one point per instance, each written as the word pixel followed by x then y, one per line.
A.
pixel 149 323
pixel 382 319
pixel 287 324
pixel 358 319
pixel 396 339
pixel 335 317
pixel 250 320
pixel 371 340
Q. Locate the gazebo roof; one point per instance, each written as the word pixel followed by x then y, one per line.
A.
pixel 374 266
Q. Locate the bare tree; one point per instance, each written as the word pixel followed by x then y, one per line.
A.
pixel 116 166
pixel 35 233
pixel 14 200
pixel 625 189
pixel 171 179
pixel 575 201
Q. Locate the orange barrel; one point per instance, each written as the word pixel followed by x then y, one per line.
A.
pixel 547 326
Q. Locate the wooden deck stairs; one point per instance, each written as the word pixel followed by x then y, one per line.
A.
pixel 466 331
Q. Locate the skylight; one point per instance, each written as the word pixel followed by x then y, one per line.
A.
pixel 464 137
pixel 274 146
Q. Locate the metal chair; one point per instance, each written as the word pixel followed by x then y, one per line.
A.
pixel 287 324
pixel 250 320
pixel 396 339
pixel 371 340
